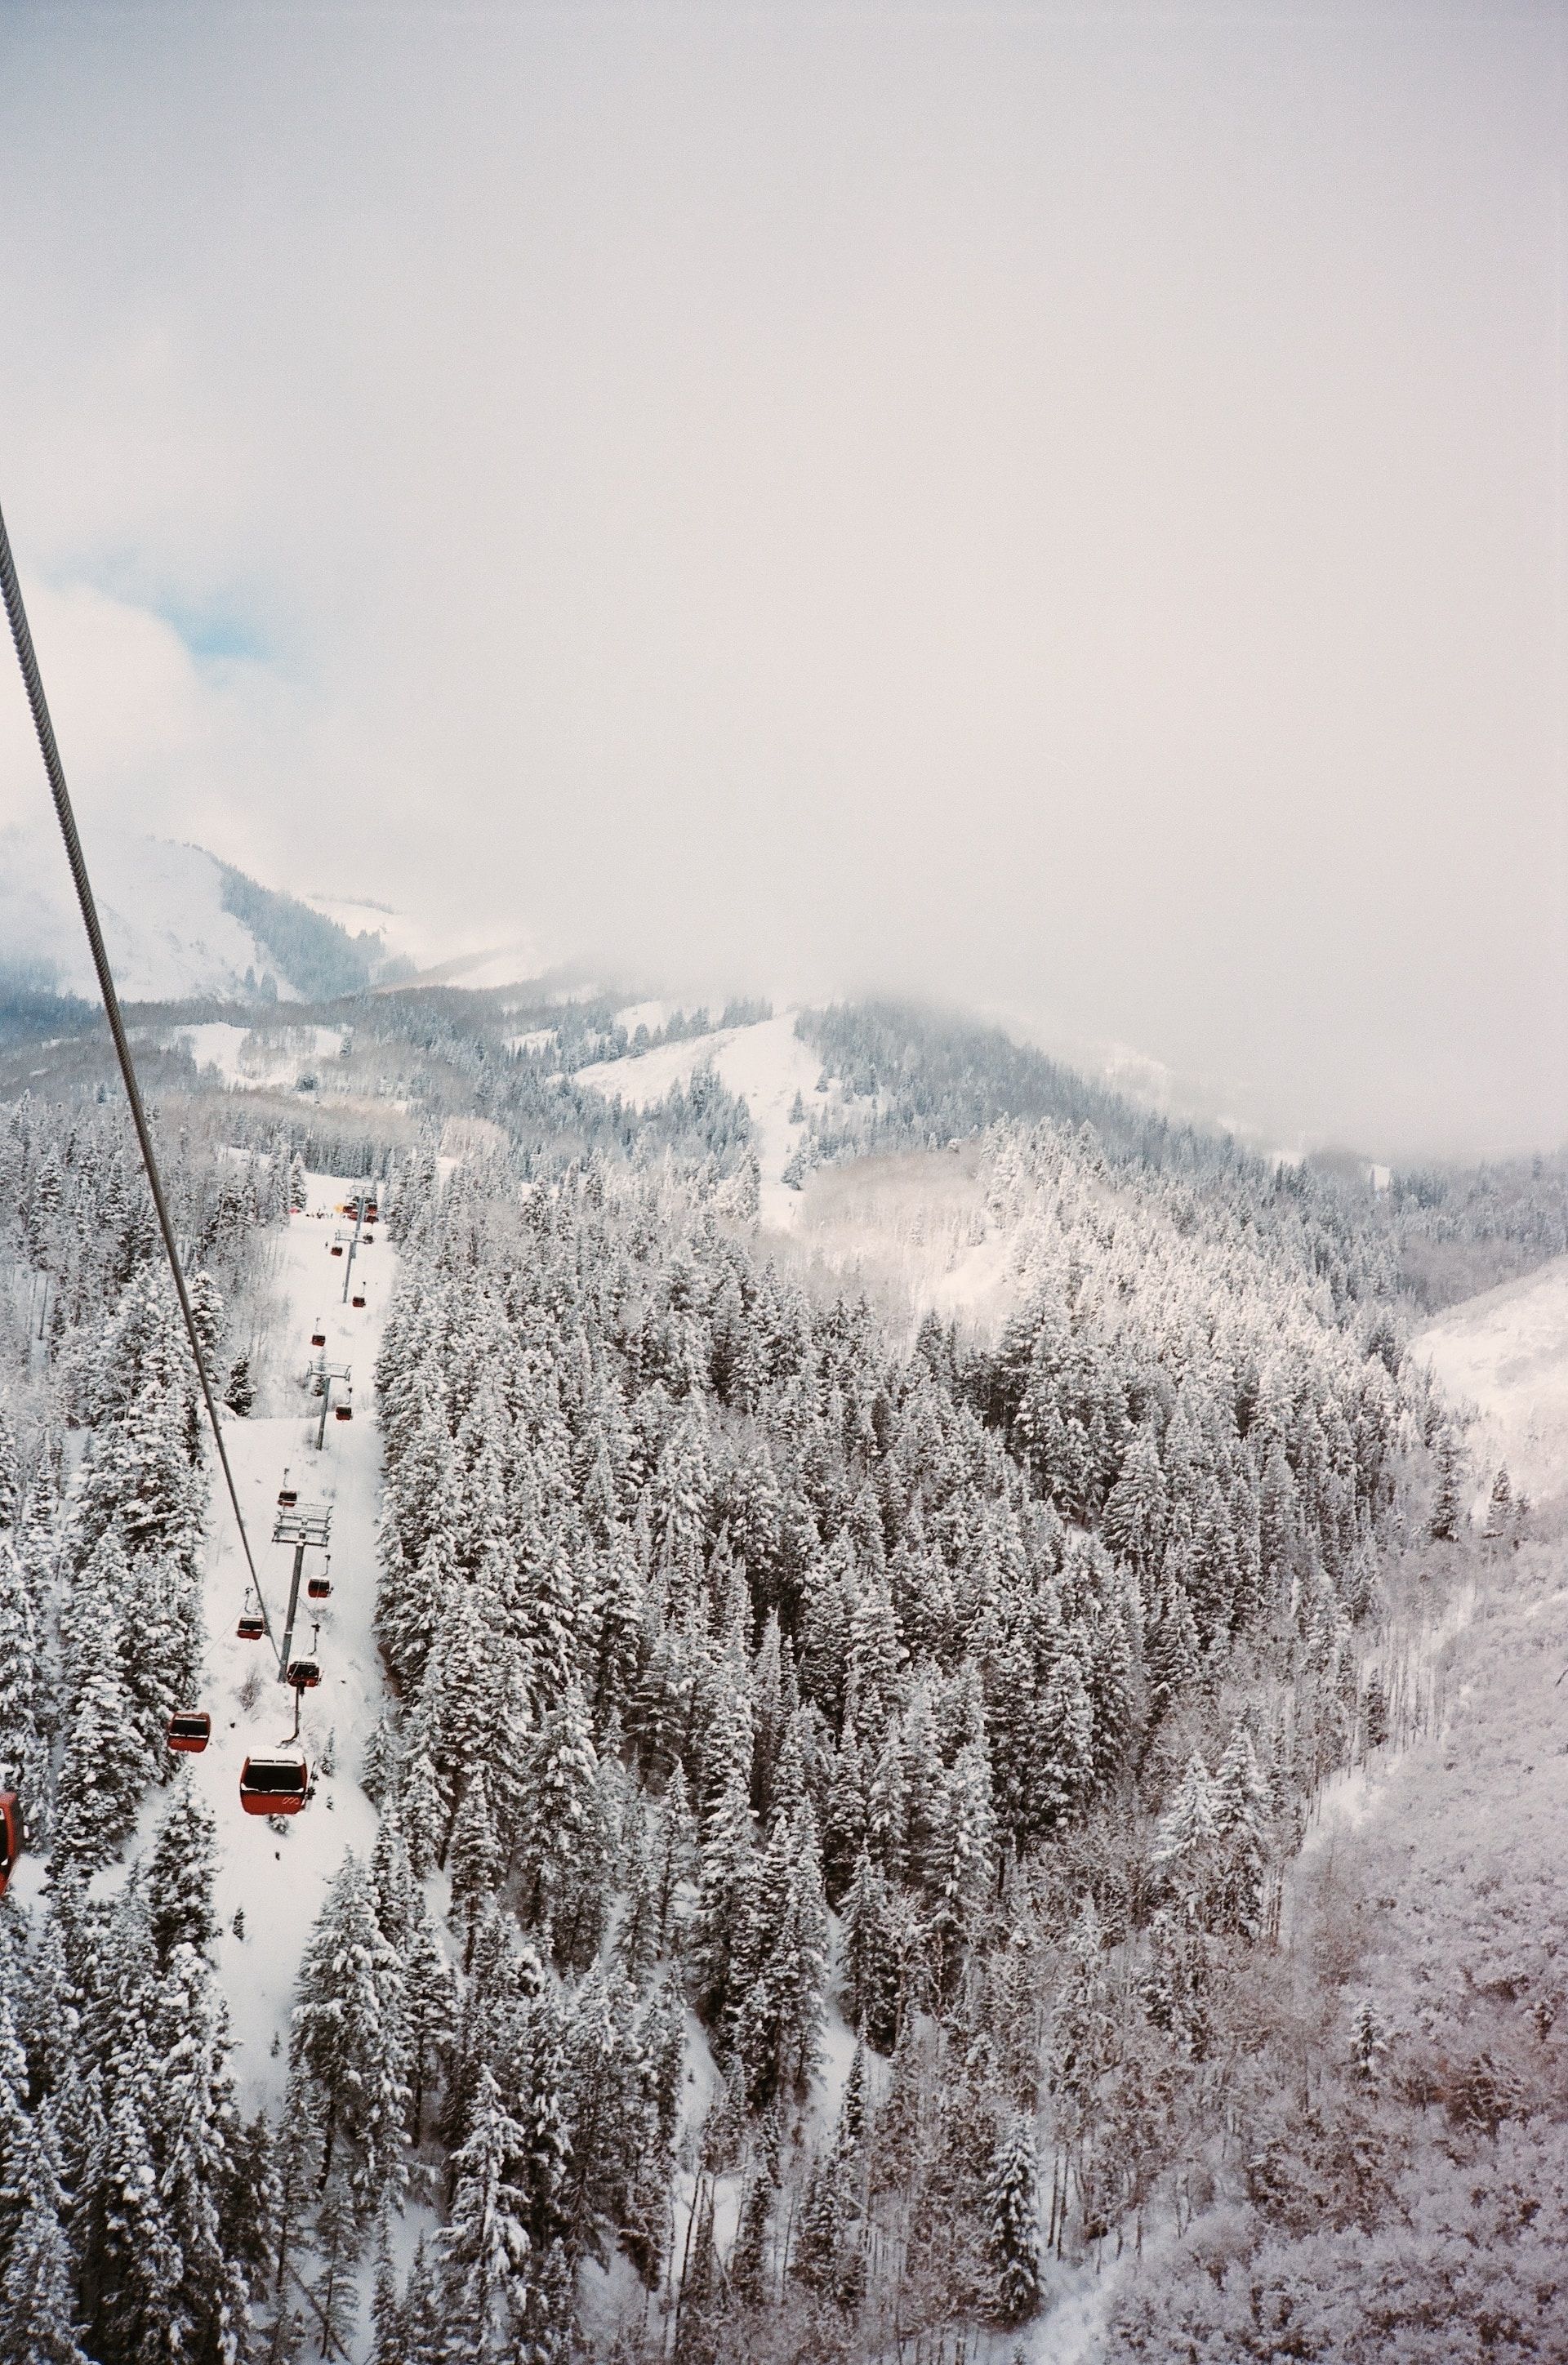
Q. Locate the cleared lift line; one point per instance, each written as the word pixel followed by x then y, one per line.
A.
pixel 27 659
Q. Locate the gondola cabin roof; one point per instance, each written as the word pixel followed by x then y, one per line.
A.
pixel 273 1786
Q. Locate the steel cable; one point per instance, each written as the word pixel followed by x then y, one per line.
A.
pixel 27 659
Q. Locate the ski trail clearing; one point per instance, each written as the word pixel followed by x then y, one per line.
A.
pixel 277 1877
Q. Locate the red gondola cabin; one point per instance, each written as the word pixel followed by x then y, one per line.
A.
pixel 320 1589
pixel 287 1495
pixel 319 1335
pixel 190 1728
pixel 358 1297
pixel 336 1247
pixel 273 1786
pixel 304 1674
pixel 10 1836
pixel 342 1412
pixel 252 1626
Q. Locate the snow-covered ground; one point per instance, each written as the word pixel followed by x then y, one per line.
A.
pixel 766 1064
pixel 280 1876
pixel 481 972
pixel 913 1231
pixel 1507 1353
pixel 1504 1353
pixel 247 1058
pixel 651 1015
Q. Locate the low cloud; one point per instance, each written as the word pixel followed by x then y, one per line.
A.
pixel 1040 512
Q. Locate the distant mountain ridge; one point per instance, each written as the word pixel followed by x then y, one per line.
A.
pixel 180 925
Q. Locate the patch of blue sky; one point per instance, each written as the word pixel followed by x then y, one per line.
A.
pixel 216 634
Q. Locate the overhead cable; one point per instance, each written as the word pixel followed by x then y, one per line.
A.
pixel 27 657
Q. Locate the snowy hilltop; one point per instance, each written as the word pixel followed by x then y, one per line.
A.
pixel 180 925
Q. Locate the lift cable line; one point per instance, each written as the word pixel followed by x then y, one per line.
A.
pixel 28 659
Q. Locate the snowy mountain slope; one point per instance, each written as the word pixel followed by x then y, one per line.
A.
pixel 1506 1351
pixel 766 1064
pixel 279 1878
pixel 168 934
pixel 914 1232
pixel 180 925
pixel 512 1348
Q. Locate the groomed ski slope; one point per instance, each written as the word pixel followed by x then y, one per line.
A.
pixel 279 1875
pixel 766 1064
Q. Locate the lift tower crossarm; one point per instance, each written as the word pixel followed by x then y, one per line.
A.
pixel 307 1528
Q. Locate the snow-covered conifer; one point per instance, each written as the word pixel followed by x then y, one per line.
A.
pixel 1013 2241
pixel 178 1875
pixel 350 2038
pixel 475 1857
pixel 38 2297
pixel 430 2005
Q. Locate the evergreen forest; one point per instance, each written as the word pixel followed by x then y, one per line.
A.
pixel 847 1875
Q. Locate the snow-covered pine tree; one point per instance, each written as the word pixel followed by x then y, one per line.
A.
pixel 177 1875
pixel 723 1884
pixel 37 2296
pixel 1448 1501
pixel 106 1761
pixel 1012 2228
pixel 775 2016
pixel 476 1859
pixel 429 2006
pixel 334 2288
pixel 21 1751
pixel 349 2039
pixel 486 2252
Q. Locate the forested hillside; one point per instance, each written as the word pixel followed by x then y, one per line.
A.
pixel 840 1783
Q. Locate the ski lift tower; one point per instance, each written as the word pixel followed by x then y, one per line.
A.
pixel 325 1373
pixel 309 1528
pixel 359 1206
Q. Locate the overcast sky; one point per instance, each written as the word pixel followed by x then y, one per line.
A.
pixel 1057 508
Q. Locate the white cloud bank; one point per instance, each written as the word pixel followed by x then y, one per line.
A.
pixel 1057 512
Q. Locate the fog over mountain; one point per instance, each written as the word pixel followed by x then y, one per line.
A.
pixel 1054 512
